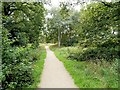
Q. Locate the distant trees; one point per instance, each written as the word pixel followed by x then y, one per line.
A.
pixel 62 26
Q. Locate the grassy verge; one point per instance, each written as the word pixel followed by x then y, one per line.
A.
pixel 88 74
pixel 38 65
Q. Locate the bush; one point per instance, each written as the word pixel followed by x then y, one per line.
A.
pixel 17 76
pixel 16 65
pixel 69 42
pixel 17 70
pixel 100 53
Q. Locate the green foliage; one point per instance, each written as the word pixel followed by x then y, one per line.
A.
pixel 95 54
pixel 23 21
pixel 16 68
pixel 98 32
pixel 22 26
pixel 62 27
pixel 99 22
pixel 17 65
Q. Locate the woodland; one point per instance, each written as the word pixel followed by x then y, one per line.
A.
pixel 87 40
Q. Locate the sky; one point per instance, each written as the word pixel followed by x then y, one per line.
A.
pixel 55 3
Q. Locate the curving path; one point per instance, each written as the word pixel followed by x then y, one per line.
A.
pixel 54 74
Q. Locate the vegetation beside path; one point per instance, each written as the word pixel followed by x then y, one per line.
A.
pixel 88 74
pixel 38 66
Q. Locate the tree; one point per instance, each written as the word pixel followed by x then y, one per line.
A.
pixel 63 25
pixel 98 21
pixel 28 15
pixel 22 23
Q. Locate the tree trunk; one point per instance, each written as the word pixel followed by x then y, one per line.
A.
pixel 59 38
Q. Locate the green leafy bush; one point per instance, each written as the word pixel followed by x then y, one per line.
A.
pixel 16 66
pixel 17 70
pixel 108 54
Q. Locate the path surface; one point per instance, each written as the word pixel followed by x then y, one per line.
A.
pixel 54 74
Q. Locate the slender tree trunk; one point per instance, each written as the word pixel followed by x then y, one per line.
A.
pixel 59 38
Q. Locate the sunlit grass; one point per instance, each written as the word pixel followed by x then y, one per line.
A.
pixel 38 66
pixel 87 74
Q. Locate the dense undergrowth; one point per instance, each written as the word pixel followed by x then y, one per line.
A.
pixel 95 53
pixel 89 73
pixel 24 67
pixel 21 66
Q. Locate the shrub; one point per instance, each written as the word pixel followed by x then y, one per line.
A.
pixel 16 65
pixel 100 53
pixel 17 70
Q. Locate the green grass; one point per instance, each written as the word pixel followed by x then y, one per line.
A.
pixel 38 66
pixel 88 74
